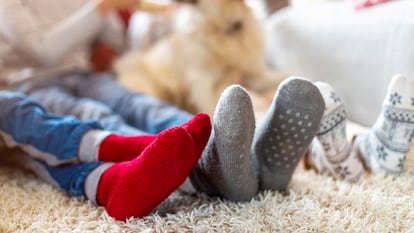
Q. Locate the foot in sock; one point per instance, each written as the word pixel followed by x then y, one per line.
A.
pixel 315 158
pixel 225 167
pixel 118 148
pixel 134 188
pixel 333 138
pixel 384 147
pixel 286 131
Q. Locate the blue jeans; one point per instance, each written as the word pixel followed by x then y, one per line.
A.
pixel 96 100
pixel 101 97
pixel 51 141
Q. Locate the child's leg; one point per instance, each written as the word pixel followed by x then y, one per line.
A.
pixel 332 135
pixel 286 131
pixel 59 100
pixel 58 139
pixel 385 146
pixel 52 138
pixel 141 111
pixel 133 188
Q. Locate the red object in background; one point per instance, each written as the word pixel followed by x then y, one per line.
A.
pixel 125 15
pixel 360 4
pixel 102 54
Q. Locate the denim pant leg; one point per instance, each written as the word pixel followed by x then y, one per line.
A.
pixel 69 177
pixel 59 100
pixel 141 111
pixel 51 138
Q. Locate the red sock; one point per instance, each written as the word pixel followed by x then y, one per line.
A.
pixel 118 148
pixel 134 188
pixel 200 124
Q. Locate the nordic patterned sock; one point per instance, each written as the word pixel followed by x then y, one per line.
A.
pixel 384 147
pixel 134 188
pixel 315 158
pixel 332 135
pixel 110 147
pixel 225 167
pixel 286 131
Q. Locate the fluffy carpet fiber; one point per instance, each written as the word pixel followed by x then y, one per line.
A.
pixel 314 203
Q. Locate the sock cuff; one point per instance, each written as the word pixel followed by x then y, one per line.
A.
pixel 92 182
pixel 89 146
pixel 332 119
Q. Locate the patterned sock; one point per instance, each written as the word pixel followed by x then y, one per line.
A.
pixel 225 167
pixel 286 131
pixel 315 158
pixel 332 136
pixel 117 148
pixel 385 146
pixel 134 188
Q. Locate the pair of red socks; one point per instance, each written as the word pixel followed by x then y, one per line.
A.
pixel 149 168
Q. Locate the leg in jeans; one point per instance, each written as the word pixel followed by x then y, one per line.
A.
pixel 60 100
pixel 141 111
pixel 52 138
pixel 125 189
pixel 133 188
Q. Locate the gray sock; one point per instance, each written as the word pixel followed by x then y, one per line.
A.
pixel 225 167
pixel 286 131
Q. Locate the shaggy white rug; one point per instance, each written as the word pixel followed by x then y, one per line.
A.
pixel 314 203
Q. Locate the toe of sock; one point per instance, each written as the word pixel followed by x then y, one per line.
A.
pixel 234 112
pixel 199 127
pixel 302 92
pixel 233 97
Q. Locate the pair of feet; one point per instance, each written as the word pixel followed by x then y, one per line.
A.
pixel 237 158
pixel 142 171
pixel 383 148
pixel 241 159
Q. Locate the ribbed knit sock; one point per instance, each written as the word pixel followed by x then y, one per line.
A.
pixel 225 168
pixel 286 131
pixel 117 148
pixel 384 147
pixel 332 136
pixel 134 188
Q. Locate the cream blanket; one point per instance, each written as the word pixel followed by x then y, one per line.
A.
pixel 314 203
